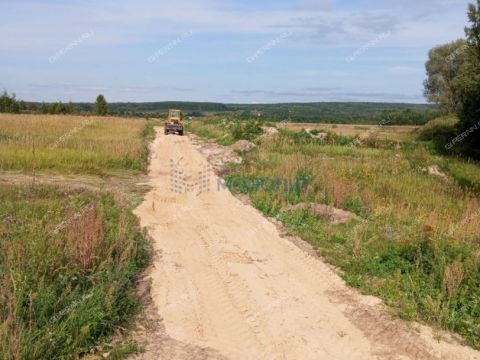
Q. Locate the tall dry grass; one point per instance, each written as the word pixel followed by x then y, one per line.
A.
pixel 76 144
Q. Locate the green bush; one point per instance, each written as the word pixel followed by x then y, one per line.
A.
pixel 248 130
pixel 9 104
pixel 440 132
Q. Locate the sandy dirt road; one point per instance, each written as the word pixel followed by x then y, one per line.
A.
pixel 227 282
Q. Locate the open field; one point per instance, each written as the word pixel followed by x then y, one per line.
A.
pixel 72 144
pixel 209 127
pixel 401 133
pixel 70 248
pixel 416 243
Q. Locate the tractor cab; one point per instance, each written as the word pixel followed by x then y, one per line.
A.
pixel 174 122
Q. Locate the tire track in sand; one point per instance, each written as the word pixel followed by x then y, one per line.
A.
pixel 227 281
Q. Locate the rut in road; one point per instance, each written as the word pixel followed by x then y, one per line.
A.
pixel 227 285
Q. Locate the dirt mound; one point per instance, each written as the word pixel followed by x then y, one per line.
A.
pixel 336 216
pixel 243 145
pixel 320 136
pixel 218 156
pixel 434 170
pixel 268 132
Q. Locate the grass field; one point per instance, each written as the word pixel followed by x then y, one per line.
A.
pixel 67 265
pixel 417 244
pixel 69 255
pixel 72 144
pixel 400 133
pixel 220 129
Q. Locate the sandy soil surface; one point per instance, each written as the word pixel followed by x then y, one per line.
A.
pixel 226 284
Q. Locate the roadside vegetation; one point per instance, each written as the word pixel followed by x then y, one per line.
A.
pixel 69 255
pixel 225 130
pixel 68 260
pixel 417 241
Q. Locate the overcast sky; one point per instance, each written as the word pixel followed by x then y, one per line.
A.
pixel 246 51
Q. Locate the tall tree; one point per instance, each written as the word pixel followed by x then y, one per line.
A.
pixel 101 106
pixel 8 103
pixel 443 65
pixel 468 83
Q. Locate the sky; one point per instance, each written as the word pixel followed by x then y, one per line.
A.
pixel 233 51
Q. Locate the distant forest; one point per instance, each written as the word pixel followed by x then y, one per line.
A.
pixel 331 112
pixel 322 112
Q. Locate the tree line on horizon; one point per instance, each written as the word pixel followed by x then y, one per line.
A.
pixel 325 112
pixel 10 104
pixel 453 83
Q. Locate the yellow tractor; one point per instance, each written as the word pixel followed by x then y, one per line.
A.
pixel 174 123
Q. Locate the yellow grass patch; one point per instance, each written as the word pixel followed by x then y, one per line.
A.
pixel 71 143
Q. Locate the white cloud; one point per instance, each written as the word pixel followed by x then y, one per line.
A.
pixel 28 25
pixel 126 32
